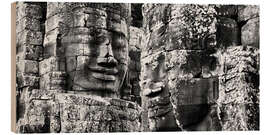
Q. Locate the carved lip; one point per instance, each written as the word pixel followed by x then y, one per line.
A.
pixel 156 87
pixel 101 73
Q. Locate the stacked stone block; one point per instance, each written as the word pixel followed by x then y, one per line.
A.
pixel 191 67
pixel 208 50
pixel 176 39
pixel 135 42
pixel 28 43
pixel 82 113
pixel 44 111
pixel 239 92
pixel 249 16
pixel 227 23
pixel 30 19
pixel 239 79
pixel 52 68
pixel 42 76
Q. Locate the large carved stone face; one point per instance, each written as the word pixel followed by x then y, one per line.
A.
pixel 100 61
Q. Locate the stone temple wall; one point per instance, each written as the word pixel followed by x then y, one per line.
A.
pixel 92 67
pixel 200 67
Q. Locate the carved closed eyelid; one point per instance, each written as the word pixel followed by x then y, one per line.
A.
pixel 121 35
pixel 97 32
pixel 117 33
pixel 119 44
pixel 102 40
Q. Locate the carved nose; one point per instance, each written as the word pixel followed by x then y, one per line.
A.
pixel 107 61
pixel 106 58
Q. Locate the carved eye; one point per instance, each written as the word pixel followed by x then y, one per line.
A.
pixel 101 36
pixel 101 39
pixel 119 40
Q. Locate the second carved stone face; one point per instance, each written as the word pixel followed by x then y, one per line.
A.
pixel 101 64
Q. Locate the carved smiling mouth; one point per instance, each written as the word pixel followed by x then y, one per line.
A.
pixel 105 74
pixel 156 87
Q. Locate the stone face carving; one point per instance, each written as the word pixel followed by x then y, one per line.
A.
pixel 197 57
pixel 96 51
pixel 156 93
pixel 76 85
pixel 103 70
pixel 177 96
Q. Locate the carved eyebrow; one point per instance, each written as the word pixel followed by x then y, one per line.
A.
pixel 94 31
pixel 97 31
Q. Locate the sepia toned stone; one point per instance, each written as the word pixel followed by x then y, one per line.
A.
pixel 29 52
pixel 36 121
pixel 136 35
pixel 247 12
pixel 228 27
pixel 51 64
pixel 187 33
pixel 41 94
pixel 39 117
pixel 120 67
pixel 97 114
pixel 242 59
pixel 25 9
pixel 107 64
pixel 251 33
pixel 157 41
pixel 27 66
pixel 54 80
pixel 228 11
pixel 54 8
pixel 213 63
pixel 190 100
pixel 153 69
pixel 239 90
pixel 235 120
pixel 54 22
pixel 52 44
pixel 29 37
pixel 24 80
pixel 28 23
pixel 156 16
pixel 183 63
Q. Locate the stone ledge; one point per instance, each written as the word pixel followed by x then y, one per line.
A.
pixel 86 113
